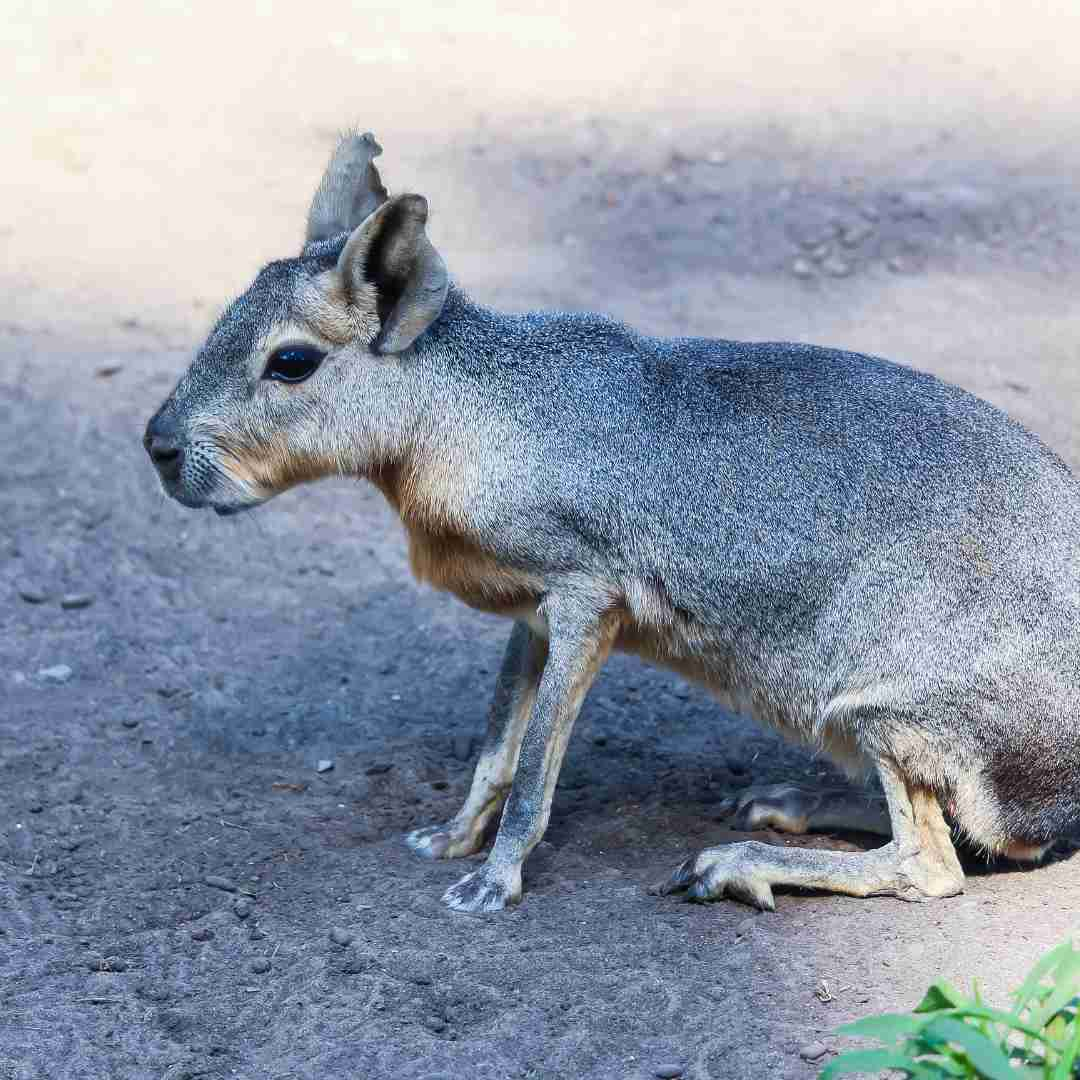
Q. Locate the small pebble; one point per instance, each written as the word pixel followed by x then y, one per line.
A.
pixel 813 1051
pixel 216 882
pixel 32 594
pixel 340 937
pixel 378 769
pixel 325 765
pixel 242 909
pixel 835 267
pixel 436 1023
pixel 802 268
pixel 260 966
pixel 202 933
pixel 353 965
pixel 668 1072
pixel 854 235
pixel 35 808
pixel 256 934
pixel 130 722
pixel 599 740
pixel 744 926
pixel 59 673
pixel 74 601
pixel 107 964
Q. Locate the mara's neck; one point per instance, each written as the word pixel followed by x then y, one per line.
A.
pixel 427 410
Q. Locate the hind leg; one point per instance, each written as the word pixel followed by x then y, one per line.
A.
pixel 515 693
pixel 792 808
pixel 917 864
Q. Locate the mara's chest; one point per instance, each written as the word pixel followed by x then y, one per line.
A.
pixel 455 564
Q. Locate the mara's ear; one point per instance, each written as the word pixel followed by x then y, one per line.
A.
pixel 350 189
pixel 391 253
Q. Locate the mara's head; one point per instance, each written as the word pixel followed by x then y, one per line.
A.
pixel 296 380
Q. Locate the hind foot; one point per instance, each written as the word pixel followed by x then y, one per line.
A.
pixel 725 871
pixel 792 808
pixel 917 864
pixel 749 871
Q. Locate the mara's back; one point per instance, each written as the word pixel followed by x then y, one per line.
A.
pixel 764 465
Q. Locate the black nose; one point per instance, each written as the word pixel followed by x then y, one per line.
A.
pixel 164 447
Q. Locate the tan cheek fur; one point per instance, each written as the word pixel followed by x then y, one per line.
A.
pixel 325 318
pixel 273 466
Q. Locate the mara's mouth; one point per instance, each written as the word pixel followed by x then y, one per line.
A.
pixel 220 502
pixel 234 508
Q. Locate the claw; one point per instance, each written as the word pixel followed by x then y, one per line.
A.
pixel 431 842
pixel 680 879
pixel 700 892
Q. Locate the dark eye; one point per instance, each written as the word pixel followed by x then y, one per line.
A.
pixel 293 363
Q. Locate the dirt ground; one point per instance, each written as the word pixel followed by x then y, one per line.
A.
pixel 182 893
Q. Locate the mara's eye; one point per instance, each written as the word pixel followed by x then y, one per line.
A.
pixel 293 363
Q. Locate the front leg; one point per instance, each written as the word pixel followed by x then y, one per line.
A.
pixel 580 636
pixel 511 707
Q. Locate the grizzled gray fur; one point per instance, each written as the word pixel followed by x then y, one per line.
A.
pixel 875 562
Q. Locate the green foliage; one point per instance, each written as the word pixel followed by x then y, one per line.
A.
pixel 951 1035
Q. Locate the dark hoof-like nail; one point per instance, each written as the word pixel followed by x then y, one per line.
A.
pixel 679 880
pixel 699 892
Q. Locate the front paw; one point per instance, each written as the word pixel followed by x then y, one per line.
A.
pixel 444 841
pixel 484 890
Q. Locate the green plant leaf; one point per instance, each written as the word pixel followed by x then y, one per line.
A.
pixel 873 1061
pixel 1066 987
pixel 1005 1019
pixel 984 1054
pixel 1066 1065
pixel 940 996
pixel 887 1028
pixel 1030 986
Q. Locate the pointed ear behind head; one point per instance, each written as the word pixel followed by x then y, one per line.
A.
pixel 391 251
pixel 350 189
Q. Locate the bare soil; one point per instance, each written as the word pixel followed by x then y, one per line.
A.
pixel 182 893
